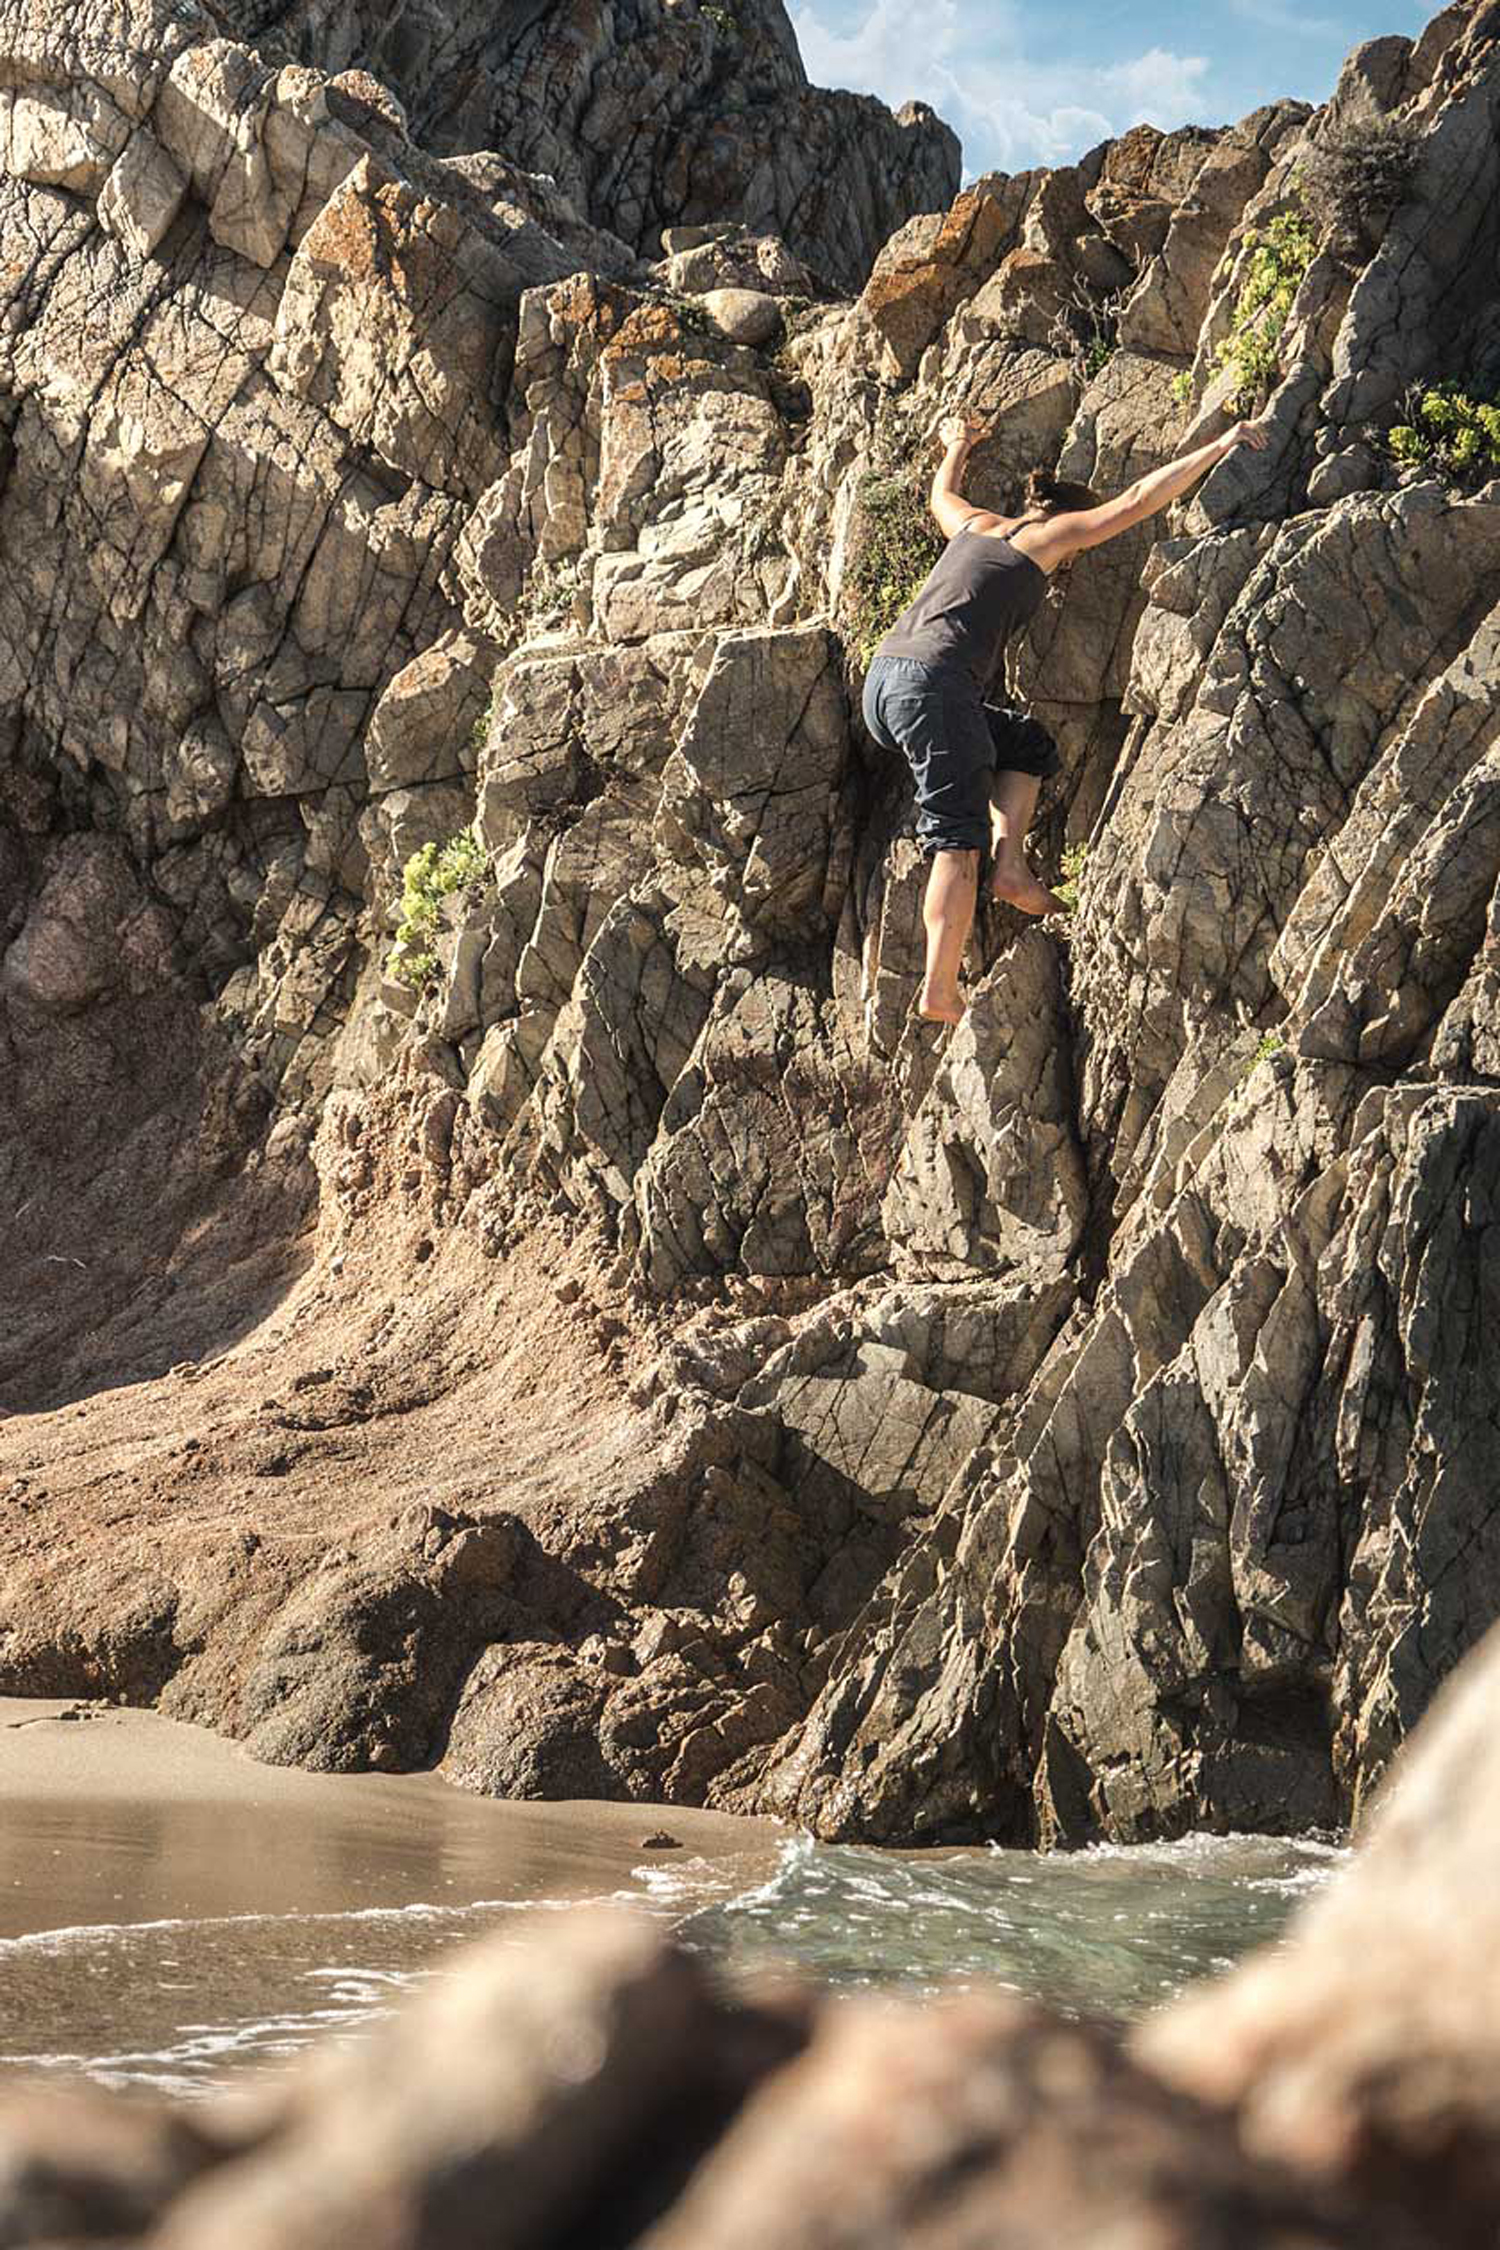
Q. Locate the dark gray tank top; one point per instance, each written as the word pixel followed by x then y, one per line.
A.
pixel 977 593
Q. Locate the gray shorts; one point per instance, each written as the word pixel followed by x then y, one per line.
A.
pixel 955 743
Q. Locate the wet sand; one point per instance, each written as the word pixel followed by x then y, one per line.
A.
pixel 172 1913
pixel 119 1816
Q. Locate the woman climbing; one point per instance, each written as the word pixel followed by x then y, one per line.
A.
pixel 927 691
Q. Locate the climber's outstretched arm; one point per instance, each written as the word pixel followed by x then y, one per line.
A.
pixel 1062 536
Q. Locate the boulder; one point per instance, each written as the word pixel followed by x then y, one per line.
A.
pixel 1364 2050
pixel 745 316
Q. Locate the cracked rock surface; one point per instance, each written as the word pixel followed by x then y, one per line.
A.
pixel 648 116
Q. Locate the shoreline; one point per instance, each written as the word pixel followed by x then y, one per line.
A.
pixel 117 1816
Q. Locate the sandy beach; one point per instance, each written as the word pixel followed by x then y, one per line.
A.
pixel 122 1816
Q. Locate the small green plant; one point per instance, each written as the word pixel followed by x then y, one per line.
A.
pixel 429 876
pixel 1085 330
pixel 1448 430
pixel 1074 861
pixel 690 315
pixel 485 720
pixel 1279 256
pixel 724 18
pixel 899 543
pixel 1270 1043
pixel 549 589
pixel 798 314
pixel 1182 387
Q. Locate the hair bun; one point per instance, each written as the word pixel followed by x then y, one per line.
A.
pixel 1054 494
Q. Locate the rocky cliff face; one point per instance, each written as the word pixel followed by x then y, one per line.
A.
pixel 647 114
pixel 616 1349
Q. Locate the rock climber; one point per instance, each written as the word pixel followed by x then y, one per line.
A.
pixel 979 763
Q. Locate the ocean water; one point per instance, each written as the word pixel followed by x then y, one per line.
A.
pixel 1112 1930
pixel 184 2003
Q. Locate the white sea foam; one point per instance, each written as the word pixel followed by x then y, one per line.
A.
pixel 184 2003
pixel 69 1934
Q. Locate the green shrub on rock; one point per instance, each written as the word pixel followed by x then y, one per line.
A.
pixel 1074 861
pixel 898 543
pixel 1269 1043
pixel 430 875
pixel 1280 254
pixel 1448 430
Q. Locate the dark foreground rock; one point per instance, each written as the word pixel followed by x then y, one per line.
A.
pixel 1370 2049
pixel 584 2082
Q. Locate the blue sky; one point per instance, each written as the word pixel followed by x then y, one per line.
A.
pixel 1040 83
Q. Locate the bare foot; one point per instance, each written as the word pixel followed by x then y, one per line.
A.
pixel 941 1007
pixel 1020 888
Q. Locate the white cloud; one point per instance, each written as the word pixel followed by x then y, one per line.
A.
pixel 1159 84
pixel 1008 112
pixel 877 58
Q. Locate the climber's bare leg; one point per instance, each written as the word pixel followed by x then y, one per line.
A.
pixel 948 915
pixel 1013 799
